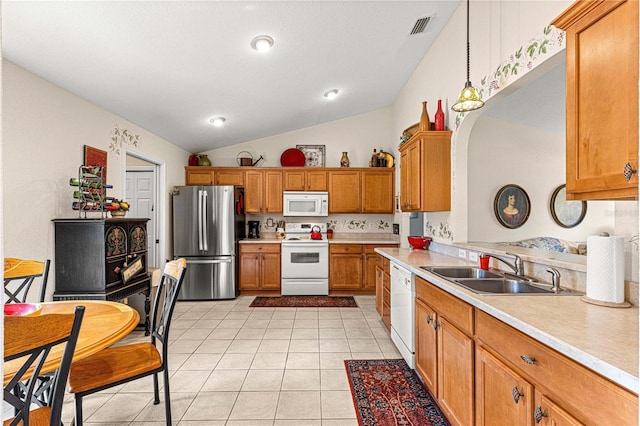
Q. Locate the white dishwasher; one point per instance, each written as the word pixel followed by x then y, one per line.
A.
pixel 403 295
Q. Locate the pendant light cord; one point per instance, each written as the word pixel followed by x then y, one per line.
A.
pixel 468 54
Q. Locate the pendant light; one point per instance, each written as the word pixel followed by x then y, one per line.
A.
pixel 469 98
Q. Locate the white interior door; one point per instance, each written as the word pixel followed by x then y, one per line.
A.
pixel 141 192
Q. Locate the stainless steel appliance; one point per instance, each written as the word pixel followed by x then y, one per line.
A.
pixel 208 221
pixel 254 229
pixel 305 203
pixel 403 295
pixel 305 261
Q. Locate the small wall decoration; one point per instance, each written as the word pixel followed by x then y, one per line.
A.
pixel 96 157
pixel 512 206
pixel 566 213
pixel 314 155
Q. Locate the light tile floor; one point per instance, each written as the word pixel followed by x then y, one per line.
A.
pixel 235 365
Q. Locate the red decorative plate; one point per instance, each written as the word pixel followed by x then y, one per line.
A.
pixel 22 309
pixel 292 157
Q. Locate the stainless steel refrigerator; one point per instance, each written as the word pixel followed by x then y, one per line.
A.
pixel 208 222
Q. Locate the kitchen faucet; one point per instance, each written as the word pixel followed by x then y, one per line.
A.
pixel 517 265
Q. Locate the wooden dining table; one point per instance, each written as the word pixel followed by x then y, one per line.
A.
pixel 104 324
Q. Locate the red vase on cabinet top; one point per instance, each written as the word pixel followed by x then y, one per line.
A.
pixel 439 118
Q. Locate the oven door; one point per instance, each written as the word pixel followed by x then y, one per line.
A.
pixel 305 260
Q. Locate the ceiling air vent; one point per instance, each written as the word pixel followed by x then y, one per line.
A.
pixel 420 25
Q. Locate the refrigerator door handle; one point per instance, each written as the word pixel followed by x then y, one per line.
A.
pixel 210 261
pixel 205 220
pixel 200 220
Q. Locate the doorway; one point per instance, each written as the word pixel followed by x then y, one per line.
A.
pixel 142 189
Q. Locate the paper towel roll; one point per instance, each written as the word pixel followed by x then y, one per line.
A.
pixel 605 268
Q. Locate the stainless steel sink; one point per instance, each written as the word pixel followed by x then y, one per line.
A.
pixel 461 272
pixel 490 282
pixel 501 286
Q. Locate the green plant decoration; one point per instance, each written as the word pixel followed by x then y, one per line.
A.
pixel 120 137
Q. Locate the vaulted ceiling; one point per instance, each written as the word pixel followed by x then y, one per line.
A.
pixel 170 66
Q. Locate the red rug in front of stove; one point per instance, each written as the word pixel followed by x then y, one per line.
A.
pixel 387 392
pixel 304 302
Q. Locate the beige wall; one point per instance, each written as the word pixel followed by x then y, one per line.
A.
pixel 358 135
pixel 43 134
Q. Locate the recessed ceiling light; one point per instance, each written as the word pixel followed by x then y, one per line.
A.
pixel 331 94
pixel 262 43
pixel 217 121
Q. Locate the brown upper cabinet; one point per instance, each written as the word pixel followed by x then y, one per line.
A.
pixel 425 172
pixel 263 191
pixel 233 177
pixel 377 190
pixel 361 190
pixel 344 191
pixel 199 175
pixel 602 99
pixel 305 180
pixel 351 190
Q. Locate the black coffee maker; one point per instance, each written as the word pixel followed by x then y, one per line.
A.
pixel 254 229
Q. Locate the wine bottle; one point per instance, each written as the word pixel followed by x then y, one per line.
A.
pixel 439 118
pixel 88 182
pixel 374 159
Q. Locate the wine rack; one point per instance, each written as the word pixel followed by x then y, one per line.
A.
pixel 91 194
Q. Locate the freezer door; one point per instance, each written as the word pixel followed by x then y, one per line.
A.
pixel 209 279
pixel 218 223
pixel 186 221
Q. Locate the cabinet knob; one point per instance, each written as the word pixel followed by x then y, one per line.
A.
pixel 538 414
pixel 435 324
pixel 527 359
pixel 429 319
pixel 628 171
pixel 516 394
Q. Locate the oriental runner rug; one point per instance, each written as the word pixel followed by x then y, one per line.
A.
pixel 304 302
pixel 387 392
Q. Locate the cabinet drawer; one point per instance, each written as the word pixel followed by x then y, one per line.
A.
pixel 456 311
pixel 345 248
pixel 259 248
pixel 590 397
pixel 384 263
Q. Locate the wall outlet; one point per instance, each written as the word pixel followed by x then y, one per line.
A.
pixel 396 228
pixel 473 256
pixel 462 253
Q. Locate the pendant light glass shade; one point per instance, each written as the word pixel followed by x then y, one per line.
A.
pixel 469 98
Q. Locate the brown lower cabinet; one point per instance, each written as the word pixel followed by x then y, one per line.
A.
pixel 383 289
pixel 260 267
pixel 353 266
pixel 549 387
pixel 484 372
pixel 444 350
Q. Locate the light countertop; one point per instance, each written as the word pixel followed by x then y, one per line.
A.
pixel 600 338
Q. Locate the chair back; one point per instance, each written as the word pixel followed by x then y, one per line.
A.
pixel 32 338
pixel 19 275
pixel 165 300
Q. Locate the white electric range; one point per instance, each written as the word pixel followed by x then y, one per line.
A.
pixel 305 261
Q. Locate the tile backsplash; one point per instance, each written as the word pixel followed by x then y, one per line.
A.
pixel 366 223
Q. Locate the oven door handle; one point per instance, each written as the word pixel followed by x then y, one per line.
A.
pixel 295 245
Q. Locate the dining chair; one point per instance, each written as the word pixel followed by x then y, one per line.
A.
pixel 32 338
pixel 19 276
pixel 121 364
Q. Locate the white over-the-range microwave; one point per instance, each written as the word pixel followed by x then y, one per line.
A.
pixel 305 203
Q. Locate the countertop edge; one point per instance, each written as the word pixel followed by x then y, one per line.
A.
pixel 606 369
